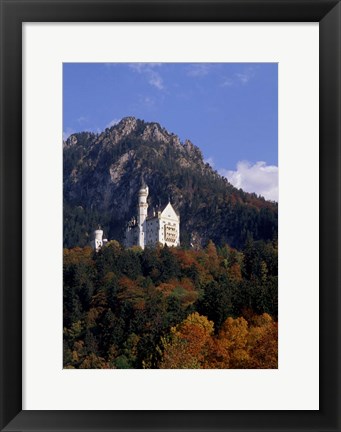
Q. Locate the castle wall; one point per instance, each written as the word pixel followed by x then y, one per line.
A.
pixel 169 232
pixel 132 237
pixel 153 227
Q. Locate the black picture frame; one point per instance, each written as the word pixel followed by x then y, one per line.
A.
pixel 13 14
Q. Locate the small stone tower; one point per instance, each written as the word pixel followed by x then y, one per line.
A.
pixel 142 214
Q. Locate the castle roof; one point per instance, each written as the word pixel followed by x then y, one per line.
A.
pixel 160 209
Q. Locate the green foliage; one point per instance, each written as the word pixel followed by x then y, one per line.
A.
pixel 216 302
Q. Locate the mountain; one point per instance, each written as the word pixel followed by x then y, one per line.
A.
pixel 103 173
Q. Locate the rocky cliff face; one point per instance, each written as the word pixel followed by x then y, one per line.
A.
pixel 103 172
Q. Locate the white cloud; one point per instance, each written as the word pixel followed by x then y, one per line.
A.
pixel 110 65
pixel 156 80
pixel 199 69
pixel 259 178
pixel 228 82
pixel 82 119
pixel 113 122
pixel 243 77
pixel 148 69
pixel 246 75
pixel 141 67
pixel 148 102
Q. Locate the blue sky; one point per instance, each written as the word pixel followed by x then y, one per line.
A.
pixel 229 110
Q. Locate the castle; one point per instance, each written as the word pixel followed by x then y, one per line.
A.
pixel 160 225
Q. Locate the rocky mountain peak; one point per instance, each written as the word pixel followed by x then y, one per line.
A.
pixel 72 140
pixel 153 132
pixel 189 146
pixel 192 149
pixel 79 139
pixel 127 125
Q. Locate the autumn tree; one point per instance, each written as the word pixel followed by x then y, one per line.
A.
pixel 189 344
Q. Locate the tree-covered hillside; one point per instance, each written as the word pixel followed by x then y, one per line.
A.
pixel 171 307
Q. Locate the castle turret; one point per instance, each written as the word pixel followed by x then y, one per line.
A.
pixel 142 214
pixel 98 240
pixel 98 234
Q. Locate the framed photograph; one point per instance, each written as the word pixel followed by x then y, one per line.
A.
pixel 170 201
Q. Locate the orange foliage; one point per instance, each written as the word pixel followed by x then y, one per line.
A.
pixel 92 361
pixel 186 258
pixel 253 345
pixel 239 344
pixel 189 345
pixel 167 288
pixel 131 291
pixel 233 336
pixel 263 341
pixel 235 272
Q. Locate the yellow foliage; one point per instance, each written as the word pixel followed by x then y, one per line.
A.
pixel 195 319
pixel 75 330
pixel 78 255
pixel 94 362
pixel 251 345
pixel 92 316
pixel 235 272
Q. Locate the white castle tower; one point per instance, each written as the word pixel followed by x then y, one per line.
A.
pixel 142 215
pixel 98 240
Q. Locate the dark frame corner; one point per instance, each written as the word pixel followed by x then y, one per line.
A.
pixel 13 14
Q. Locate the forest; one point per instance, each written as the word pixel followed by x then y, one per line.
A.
pixel 171 308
